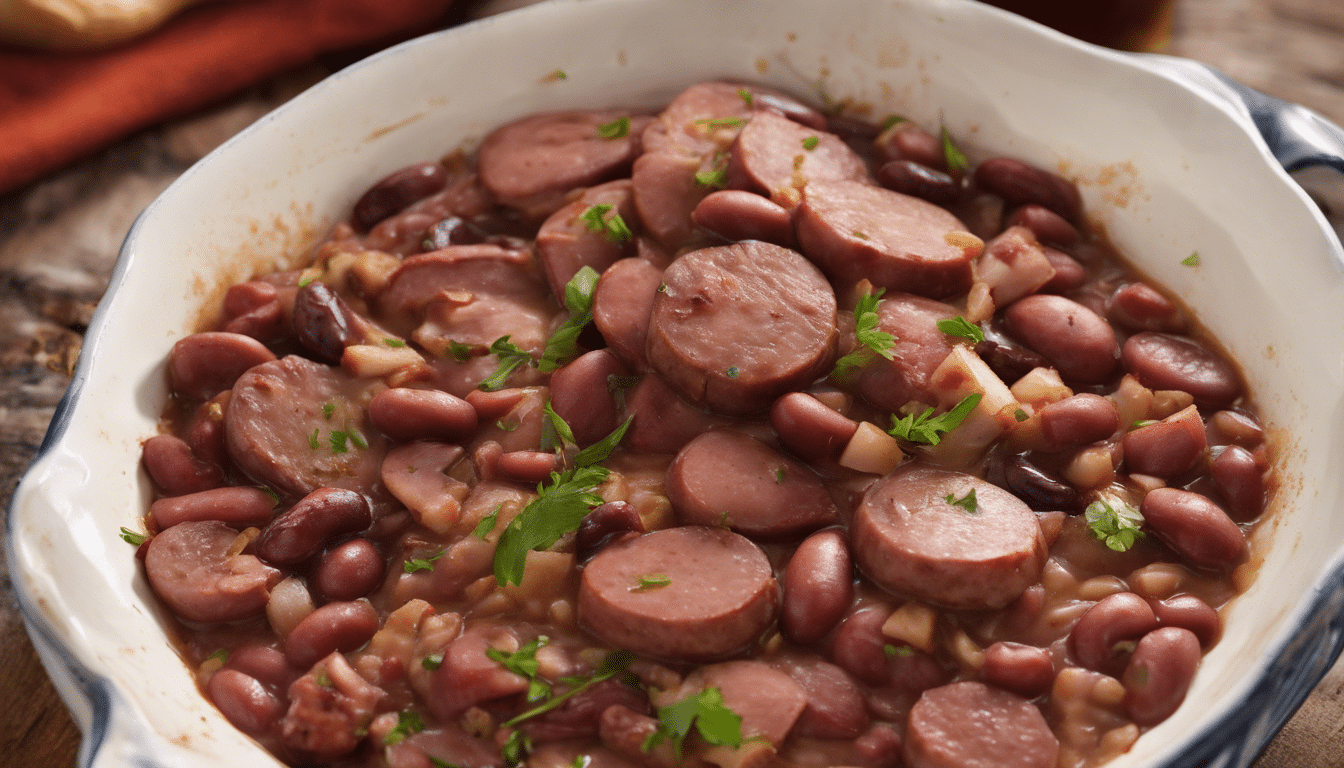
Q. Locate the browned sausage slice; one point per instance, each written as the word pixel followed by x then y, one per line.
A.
pixel 455 274
pixel 779 157
pixel 622 305
pixel 910 537
pixel 920 349
pixel 692 593
pixel 724 477
pixel 296 426
pixel 736 326
pixel 663 422
pixel 532 163
pixel 702 119
pixel 190 567
pixel 768 701
pixel 854 231
pixel 971 725
pixel 666 192
pixel 571 238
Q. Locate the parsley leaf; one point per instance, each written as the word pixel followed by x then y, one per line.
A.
pixel 716 723
pixel 599 451
pixel 338 439
pixel 892 651
pixel 563 345
pixel 650 582
pixel 956 159
pixel 394 343
pixel 1118 529
pixel 746 96
pixel 616 129
pixel 557 509
pixel 962 328
pixel 524 662
pixel 407 723
pixel 966 502
pixel 810 143
pixel 511 358
pixel 717 176
pixel 613 664
pixel 459 351
pixel 722 122
pixel 1192 260
pixel 515 748
pixel 133 538
pixel 432 662
pixel 487 524
pixel 327 410
pixel 893 120
pixel 871 339
pixel 414 564
pixel 733 372
pixel 923 429
pixel 595 219
pixel 312 439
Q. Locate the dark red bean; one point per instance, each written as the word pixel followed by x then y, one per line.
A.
pixel 1160 361
pixel 606 523
pixel 1241 481
pixel 1189 612
pixel 1042 491
pixel 1140 307
pixel 172 466
pixel 204 364
pixel 1069 274
pixel 244 701
pixel 349 571
pixel 835 706
pixel 1166 448
pixel 736 214
pixel 911 178
pixel 789 107
pixel 323 322
pixel 265 323
pixel 1159 674
pixel 318 518
pixel 859 645
pixel 880 745
pixel 581 394
pixel 1048 226
pixel 249 296
pixel 1026 670
pixel 527 466
pixel 1020 184
pixel 1194 526
pixel 810 428
pixel 1114 618
pixel 266 663
pixel 342 626
pixel 1080 344
pixel 1078 420
pixel 452 231
pixel 405 414
pixel 238 506
pixel 907 141
pixel 396 192
pixel 1009 361
pixel 818 587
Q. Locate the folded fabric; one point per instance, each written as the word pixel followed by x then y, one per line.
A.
pixel 56 108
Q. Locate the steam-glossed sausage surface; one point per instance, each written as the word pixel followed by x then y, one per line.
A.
pixel 772 156
pixel 913 541
pixel 920 348
pixel 190 567
pixel 971 725
pixel 719 597
pixel 738 325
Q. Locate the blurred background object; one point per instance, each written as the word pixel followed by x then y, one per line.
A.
pixel 1130 25
pixel 72 25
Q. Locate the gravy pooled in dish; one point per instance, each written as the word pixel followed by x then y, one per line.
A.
pixel 734 435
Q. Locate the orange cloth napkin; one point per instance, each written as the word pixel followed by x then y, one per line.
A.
pixel 56 108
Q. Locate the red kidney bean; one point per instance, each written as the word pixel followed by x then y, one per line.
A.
pixel 1189 612
pixel 1069 274
pixel 1238 477
pixel 1114 618
pixel 1009 361
pixel 302 530
pixel 789 107
pixel 1159 674
pixel 581 394
pixel 172 466
pixel 911 178
pixel 736 214
pixel 1238 428
pixel 486 459
pixel 492 405
pixel 858 645
pixel 1042 491
pixel 396 192
pixel 205 433
pixel 1026 670
pixel 204 364
pixel 323 322
pixel 1048 226
pixel 1019 183
pixel 810 428
pixel 266 663
pixel 1139 307
pixel 1079 420
pixel 265 323
pixel 1166 448
pixel 342 626
pixel 452 231
pixel 1194 526
pixel 880 745
pixel 527 466
pixel 349 571
pixel 907 141
pixel 243 298
pixel 244 701
pixel 1160 361
pixel 239 506
pixel 605 525
pixel 1077 342
pixel 818 587
pixel 405 414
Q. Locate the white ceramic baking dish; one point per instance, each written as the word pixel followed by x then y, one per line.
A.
pixel 1170 157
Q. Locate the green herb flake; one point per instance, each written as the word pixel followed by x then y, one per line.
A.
pixel 323 679
pixel 275 497
pixel 338 441
pixel 508 427
pixel 459 351
pixel 357 440
pixel 312 439
pixel 733 372
pixel 407 723
pixel 871 339
pixel 394 343
pixel 581 761
pixel 962 328
pixel 966 502
pixel 524 662
pixel 860 234
pixel 487 524
pixel 651 581
pixel 779 475
pixel 1192 260
pixel 1118 528
pixel 595 219
pixel 616 129
pixel 511 358
pixel 417 564
pixel 722 122
pixel 890 121
pixel 956 159
pixel 810 143
pixel 555 76
pixel 327 410
pixel 432 662
pixel 133 538
pixel 599 452
pixel 1141 423
pixel 437 763
pixel 716 177
pixel 563 345
pixel 557 509
pixel 892 651
pixel 929 429
pixel 746 97
pixel 516 748
pixel 222 656
pixel 716 723
pixel 613 664
pixel 1020 415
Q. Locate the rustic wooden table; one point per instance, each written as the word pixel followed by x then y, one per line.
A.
pixel 59 239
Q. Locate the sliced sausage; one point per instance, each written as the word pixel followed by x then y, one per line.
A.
pixel 296 426
pixel 533 162
pixel 971 724
pixel 467 676
pixel 717 596
pixel 204 364
pixel 726 478
pixel 768 701
pixel 190 566
pixel 778 157
pixel 920 348
pixel 854 231
pixel 737 326
pixel 735 214
pixel 417 475
pixel 1161 361
pixel 1078 342
pixel 702 119
pixel 668 186
pixel 662 421
pixel 835 707
pixel 622 305
pixel 911 539
pixel 573 237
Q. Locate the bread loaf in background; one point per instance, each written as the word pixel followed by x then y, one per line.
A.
pixel 81 25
